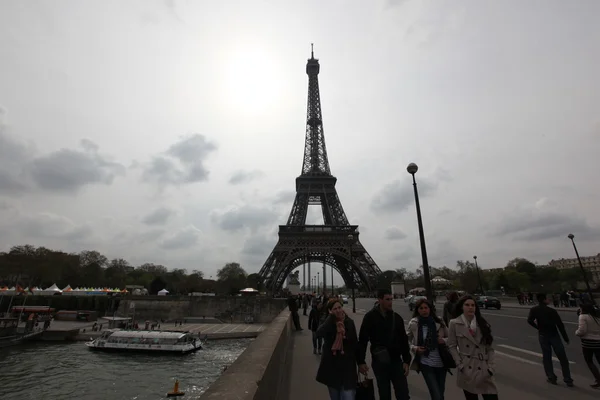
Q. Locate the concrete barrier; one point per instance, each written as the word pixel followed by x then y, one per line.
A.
pixel 261 372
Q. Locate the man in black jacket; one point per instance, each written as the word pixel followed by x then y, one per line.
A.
pixel 548 323
pixel 390 351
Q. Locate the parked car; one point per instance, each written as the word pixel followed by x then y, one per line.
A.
pixel 408 297
pixel 345 299
pixel 488 302
pixel 413 302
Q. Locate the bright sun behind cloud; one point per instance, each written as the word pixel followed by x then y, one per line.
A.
pixel 251 81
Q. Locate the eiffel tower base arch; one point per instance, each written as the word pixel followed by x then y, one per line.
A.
pixel 320 243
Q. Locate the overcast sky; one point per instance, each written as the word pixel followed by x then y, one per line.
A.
pixel 172 131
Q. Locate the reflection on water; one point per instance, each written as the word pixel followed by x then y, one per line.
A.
pixel 43 371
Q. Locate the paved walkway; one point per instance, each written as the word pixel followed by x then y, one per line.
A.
pixel 515 379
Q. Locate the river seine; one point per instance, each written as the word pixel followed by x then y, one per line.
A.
pixel 46 371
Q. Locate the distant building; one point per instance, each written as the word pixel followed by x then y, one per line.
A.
pixel 591 263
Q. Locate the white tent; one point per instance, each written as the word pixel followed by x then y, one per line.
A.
pixel 163 292
pixel 52 290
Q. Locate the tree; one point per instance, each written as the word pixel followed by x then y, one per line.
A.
pixel 384 280
pixel 254 281
pixel 517 281
pixel 87 258
pixel 157 285
pixel 232 278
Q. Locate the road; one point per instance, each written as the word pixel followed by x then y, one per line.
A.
pixel 514 338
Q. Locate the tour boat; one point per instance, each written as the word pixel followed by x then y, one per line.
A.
pixel 146 341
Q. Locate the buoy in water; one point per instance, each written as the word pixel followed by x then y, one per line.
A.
pixel 175 392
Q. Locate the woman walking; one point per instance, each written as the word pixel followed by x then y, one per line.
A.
pixel 426 334
pixel 314 320
pixel 589 332
pixel 338 363
pixel 470 343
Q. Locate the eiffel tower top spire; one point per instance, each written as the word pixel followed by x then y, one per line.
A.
pixel 315 153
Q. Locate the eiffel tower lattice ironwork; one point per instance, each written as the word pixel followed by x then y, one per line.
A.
pixel 336 242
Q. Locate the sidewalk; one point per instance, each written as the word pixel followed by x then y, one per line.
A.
pixel 515 379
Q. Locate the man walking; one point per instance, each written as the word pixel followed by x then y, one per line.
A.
pixel 390 351
pixel 293 307
pixel 548 323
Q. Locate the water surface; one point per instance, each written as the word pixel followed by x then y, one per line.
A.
pixel 51 371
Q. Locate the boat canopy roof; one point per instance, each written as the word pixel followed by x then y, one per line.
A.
pixel 149 334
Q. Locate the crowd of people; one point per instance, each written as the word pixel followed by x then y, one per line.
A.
pixel 460 341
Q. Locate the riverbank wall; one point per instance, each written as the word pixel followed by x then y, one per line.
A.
pixel 227 309
pixel 261 372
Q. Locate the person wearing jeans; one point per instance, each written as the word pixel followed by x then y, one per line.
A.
pixel 314 320
pixel 589 332
pixel 390 352
pixel 548 324
pixel 427 333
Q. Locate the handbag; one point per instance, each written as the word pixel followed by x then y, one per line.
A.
pixel 446 357
pixel 380 353
pixel 365 390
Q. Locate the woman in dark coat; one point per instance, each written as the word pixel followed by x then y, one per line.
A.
pixel 338 368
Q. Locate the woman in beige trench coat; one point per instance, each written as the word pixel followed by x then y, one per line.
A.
pixel 470 343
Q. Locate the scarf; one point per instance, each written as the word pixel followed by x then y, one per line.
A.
pixel 338 343
pixel 472 325
pixel 430 342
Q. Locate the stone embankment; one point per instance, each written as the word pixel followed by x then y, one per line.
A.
pixel 261 372
pixel 226 309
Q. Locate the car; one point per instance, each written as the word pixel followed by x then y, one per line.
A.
pixel 488 302
pixel 408 297
pixel 345 299
pixel 413 302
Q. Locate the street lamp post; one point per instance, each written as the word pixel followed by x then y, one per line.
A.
pixel 587 283
pixel 479 276
pixel 318 282
pixel 412 169
pixel 351 243
pixel 332 280
pixel 324 278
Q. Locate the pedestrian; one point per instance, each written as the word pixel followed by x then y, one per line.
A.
pixel 548 324
pixel 337 369
pixel 293 307
pixel 314 321
pixel 470 343
pixel 427 333
pixel 305 303
pixel 390 352
pixel 589 332
pixel 448 312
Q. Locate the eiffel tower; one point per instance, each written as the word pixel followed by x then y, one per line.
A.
pixel 336 242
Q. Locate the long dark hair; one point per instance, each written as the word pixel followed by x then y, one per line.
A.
pixel 419 303
pixel 589 308
pixel 486 329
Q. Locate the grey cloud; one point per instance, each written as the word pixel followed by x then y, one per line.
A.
pixel 182 163
pixel 185 238
pixel 14 158
pixel 258 246
pixel 245 176
pixel 69 170
pixel 158 217
pixel 537 227
pixel 49 225
pixel 237 218
pixel 394 233
pixel 285 196
pixel 398 195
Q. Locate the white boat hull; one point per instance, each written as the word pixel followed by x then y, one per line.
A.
pixel 147 348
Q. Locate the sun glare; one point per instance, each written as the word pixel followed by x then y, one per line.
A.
pixel 251 81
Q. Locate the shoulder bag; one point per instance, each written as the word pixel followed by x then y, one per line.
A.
pixel 380 354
